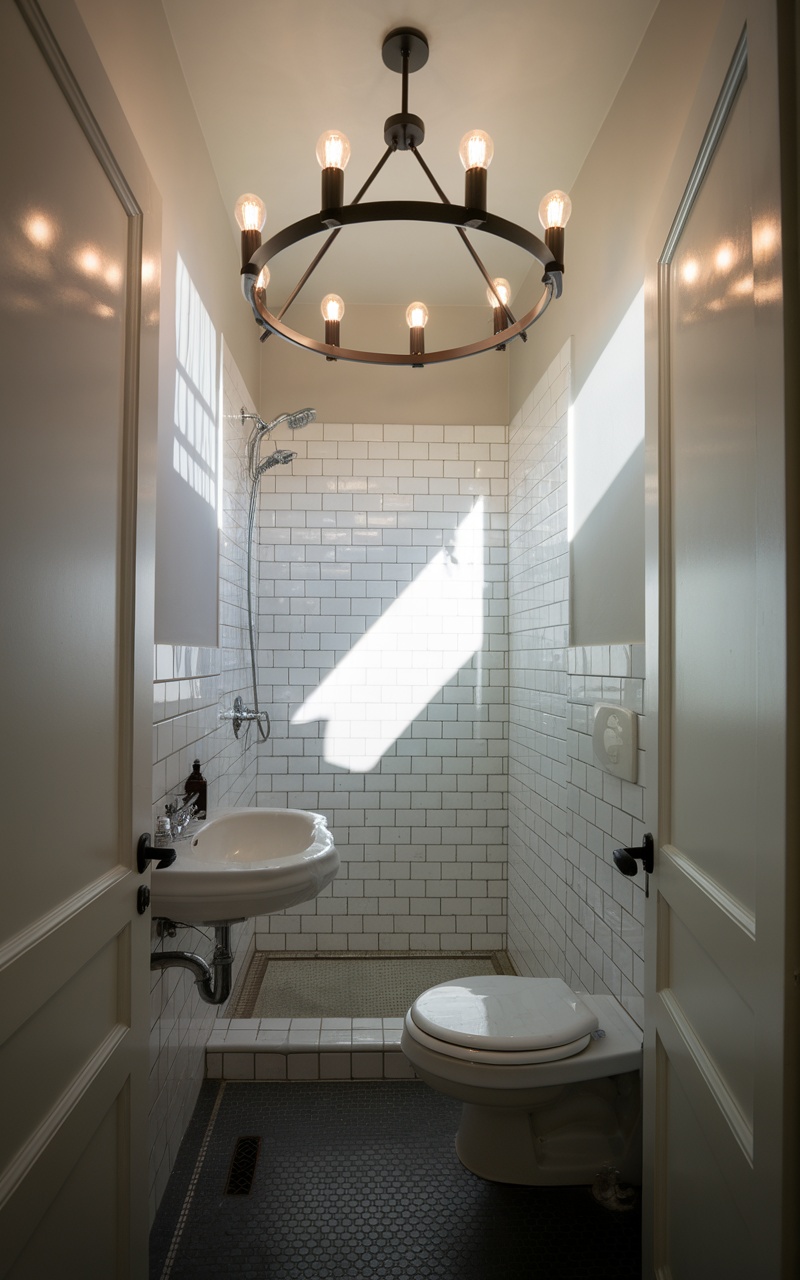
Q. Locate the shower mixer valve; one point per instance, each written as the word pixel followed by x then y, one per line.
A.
pixel 242 715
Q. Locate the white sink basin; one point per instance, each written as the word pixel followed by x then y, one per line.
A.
pixel 246 862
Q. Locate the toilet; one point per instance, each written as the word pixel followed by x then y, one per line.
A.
pixel 550 1080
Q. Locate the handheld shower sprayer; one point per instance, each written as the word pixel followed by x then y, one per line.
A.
pixel 278 458
pixel 300 418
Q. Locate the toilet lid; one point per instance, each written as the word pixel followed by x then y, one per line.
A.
pixel 504 1013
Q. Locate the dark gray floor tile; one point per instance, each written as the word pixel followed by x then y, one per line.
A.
pixel 362 1180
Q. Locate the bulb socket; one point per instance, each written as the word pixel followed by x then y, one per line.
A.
pixel 332 336
pixel 251 240
pixel 417 340
pixel 475 195
pixel 332 195
pixel 554 239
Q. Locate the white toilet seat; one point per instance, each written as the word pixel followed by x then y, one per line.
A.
pixel 502 1019
pixel 494 1057
pixel 617 1051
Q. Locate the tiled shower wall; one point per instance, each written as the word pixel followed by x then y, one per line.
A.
pixel 570 913
pixel 191 686
pixel 383 662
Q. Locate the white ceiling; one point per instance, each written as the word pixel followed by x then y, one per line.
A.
pixel 268 78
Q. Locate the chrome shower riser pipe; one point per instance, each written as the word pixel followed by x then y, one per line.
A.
pixel 255 469
pixel 262 733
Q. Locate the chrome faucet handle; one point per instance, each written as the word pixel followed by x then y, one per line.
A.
pixel 180 810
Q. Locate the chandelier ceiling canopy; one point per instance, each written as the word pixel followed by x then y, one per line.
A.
pixel 405 50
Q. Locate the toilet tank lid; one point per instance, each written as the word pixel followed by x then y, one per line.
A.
pixel 513 1013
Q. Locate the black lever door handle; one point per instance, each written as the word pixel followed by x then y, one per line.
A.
pixel 145 853
pixel 626 859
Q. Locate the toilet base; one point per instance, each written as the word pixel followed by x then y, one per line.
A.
pixel 564 1142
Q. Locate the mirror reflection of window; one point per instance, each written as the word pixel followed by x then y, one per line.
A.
pixel 194 453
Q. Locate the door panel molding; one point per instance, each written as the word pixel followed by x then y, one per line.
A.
pixel 62 74
pixel 729 944
pixel 666 603
pixel 685 1046
pixel 64 77
pixel 42 958
pixel 37 1145
pixel 716 126
pixel 714 892
pixel 36 1182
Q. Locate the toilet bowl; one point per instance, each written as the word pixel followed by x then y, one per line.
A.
pixel 550 1080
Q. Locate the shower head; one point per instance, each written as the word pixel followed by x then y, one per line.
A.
pixel 300 418
pixel 278 458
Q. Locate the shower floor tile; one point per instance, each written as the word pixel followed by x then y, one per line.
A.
pixel 346 986
pixel 362 1180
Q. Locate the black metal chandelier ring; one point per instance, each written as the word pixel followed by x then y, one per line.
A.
pixel 400 211
pixel 405 50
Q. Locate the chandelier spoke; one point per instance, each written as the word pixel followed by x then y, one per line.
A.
pixel 316 261
pixel 468 243
pixel 390 150
pixel 309 271
pixel 472 251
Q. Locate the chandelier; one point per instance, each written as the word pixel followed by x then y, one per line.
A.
pixel 405 50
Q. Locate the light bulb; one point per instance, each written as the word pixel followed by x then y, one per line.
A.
pixel 333 150
pixel 417 315
pixel 476 150
pixel 555 209
pixel 503 289
pixel 250 213
pixel 332 307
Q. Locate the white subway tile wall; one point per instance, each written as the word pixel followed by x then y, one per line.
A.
pixel 382 658
pixel 570 913
pixel 190 688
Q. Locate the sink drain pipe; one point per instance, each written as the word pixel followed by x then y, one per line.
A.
pixel 213 980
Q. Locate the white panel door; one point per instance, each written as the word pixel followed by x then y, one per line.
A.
pixel 78 219
pixel 717 1098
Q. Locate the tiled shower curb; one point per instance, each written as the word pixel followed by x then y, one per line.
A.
pixel 241 1048
pixel 307 1049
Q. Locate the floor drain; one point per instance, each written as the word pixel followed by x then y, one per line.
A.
pixel 243 1167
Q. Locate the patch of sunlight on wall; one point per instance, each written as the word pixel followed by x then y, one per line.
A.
pixel 422 640
pixel 194 449
pixel 607 418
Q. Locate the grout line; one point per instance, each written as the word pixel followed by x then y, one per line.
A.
pixel 187 1203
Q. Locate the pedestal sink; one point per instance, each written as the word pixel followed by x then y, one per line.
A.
pixel 246 862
